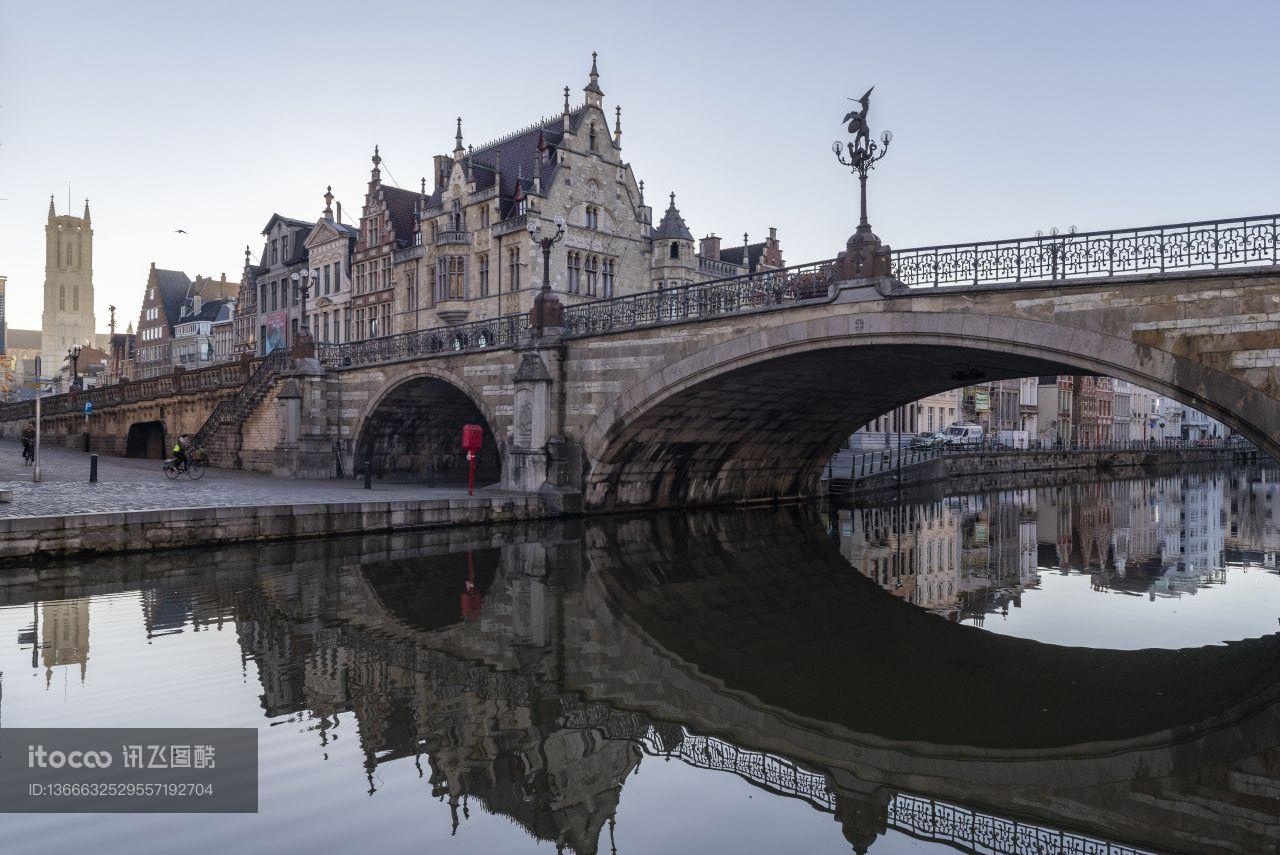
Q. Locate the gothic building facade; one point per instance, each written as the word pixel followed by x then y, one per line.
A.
pixel 462 248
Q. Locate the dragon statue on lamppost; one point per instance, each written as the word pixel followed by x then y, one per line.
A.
pixel 864 256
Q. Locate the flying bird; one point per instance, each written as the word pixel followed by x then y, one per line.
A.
pixel 180 231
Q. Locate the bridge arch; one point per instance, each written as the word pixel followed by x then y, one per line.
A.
pixel 756 416
pixel 412 428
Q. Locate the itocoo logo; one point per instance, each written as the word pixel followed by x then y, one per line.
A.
pixel 38 758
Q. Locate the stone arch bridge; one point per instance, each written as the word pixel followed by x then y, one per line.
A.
pixel 740 389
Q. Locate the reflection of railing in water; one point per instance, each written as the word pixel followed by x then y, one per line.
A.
pixel 923 818
pixel 775 774
pixel 975 832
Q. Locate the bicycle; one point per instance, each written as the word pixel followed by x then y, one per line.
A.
pixel 193 467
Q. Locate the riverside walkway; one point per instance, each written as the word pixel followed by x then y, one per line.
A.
pixel 138 485
pixel 134 508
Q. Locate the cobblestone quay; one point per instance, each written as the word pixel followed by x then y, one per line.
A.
pixel 133 507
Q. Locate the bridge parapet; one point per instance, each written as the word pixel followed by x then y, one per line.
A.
pixel 1203 245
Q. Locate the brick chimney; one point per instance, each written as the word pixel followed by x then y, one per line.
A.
pixel 709 247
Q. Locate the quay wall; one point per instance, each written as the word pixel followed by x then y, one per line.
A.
pixel 73 535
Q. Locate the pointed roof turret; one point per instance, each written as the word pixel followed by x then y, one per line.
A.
pixel 595 94
pixel 673 226
pixel 328 202
pixel 86 211
pixel 457 144
pixel 52 212
pixel 617 126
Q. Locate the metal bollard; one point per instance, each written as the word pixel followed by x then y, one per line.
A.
pixel 368 475
pixel 93 469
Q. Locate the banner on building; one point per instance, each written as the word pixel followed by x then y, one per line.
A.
pixel 274 338
pixel 982 402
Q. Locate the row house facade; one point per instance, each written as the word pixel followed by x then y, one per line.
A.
pixel 330 252
pixel 460 249
pixel 173 325
pixel 270 299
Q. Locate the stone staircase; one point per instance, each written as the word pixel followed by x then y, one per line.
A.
pixel 220 435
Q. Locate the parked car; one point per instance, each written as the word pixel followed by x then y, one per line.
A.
pixel 964 434
pixel 927 439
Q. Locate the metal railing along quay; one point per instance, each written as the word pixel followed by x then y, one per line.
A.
pixel 870 463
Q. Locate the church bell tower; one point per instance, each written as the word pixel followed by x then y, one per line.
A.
pixel 68 317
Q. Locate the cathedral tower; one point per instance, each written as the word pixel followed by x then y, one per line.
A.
pixel 68 287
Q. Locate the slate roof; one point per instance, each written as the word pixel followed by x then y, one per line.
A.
pixel 174 287
pixel 673 226
pixel 213 310
pixel 22 339
pixel 518 157
pixel 733 255
pixel 400 205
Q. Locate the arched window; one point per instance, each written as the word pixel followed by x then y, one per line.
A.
pixel 675 250
pixel 456 219
pixel 575 272
pixel 593 272
pixel 62 297
pixel 591 137
pixel 68 255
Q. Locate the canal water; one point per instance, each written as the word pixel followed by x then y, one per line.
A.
pixel 1086 667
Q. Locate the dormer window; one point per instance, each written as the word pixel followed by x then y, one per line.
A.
pixel 591 137
pixel 456 218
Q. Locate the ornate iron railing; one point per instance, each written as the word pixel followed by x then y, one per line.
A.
pixel 504 331
pixel 764 290
pixel 1207 245
pixel 976 832
pixel 776 774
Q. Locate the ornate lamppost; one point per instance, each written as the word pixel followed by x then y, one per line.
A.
pixel 1057 249
pixel 73 355
pixel 302 281
pixel 535 228
pixel 864 255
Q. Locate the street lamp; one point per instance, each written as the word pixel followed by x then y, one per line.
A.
pixel 863 154
pixel 302 281
pixel 535 228
pixel 73 354
pixel 1056 247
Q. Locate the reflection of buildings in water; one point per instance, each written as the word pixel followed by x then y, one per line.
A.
pixel 64 635
pixel 972 555
pixel 912 552
pixel 1253 515
pixel 330 651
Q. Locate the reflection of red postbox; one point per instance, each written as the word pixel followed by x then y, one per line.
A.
pixel 472 439
pixel 472 599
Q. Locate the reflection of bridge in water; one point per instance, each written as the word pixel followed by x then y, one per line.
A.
pixel 742 643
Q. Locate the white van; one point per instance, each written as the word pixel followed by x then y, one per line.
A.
pixel 964 434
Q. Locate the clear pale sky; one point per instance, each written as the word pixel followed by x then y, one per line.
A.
pixel 1008 117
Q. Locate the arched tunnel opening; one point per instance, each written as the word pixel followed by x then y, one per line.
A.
pixel 415 434
pixel 145 440
pixel 767 429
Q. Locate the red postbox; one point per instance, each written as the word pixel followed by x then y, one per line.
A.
pixel 472 440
